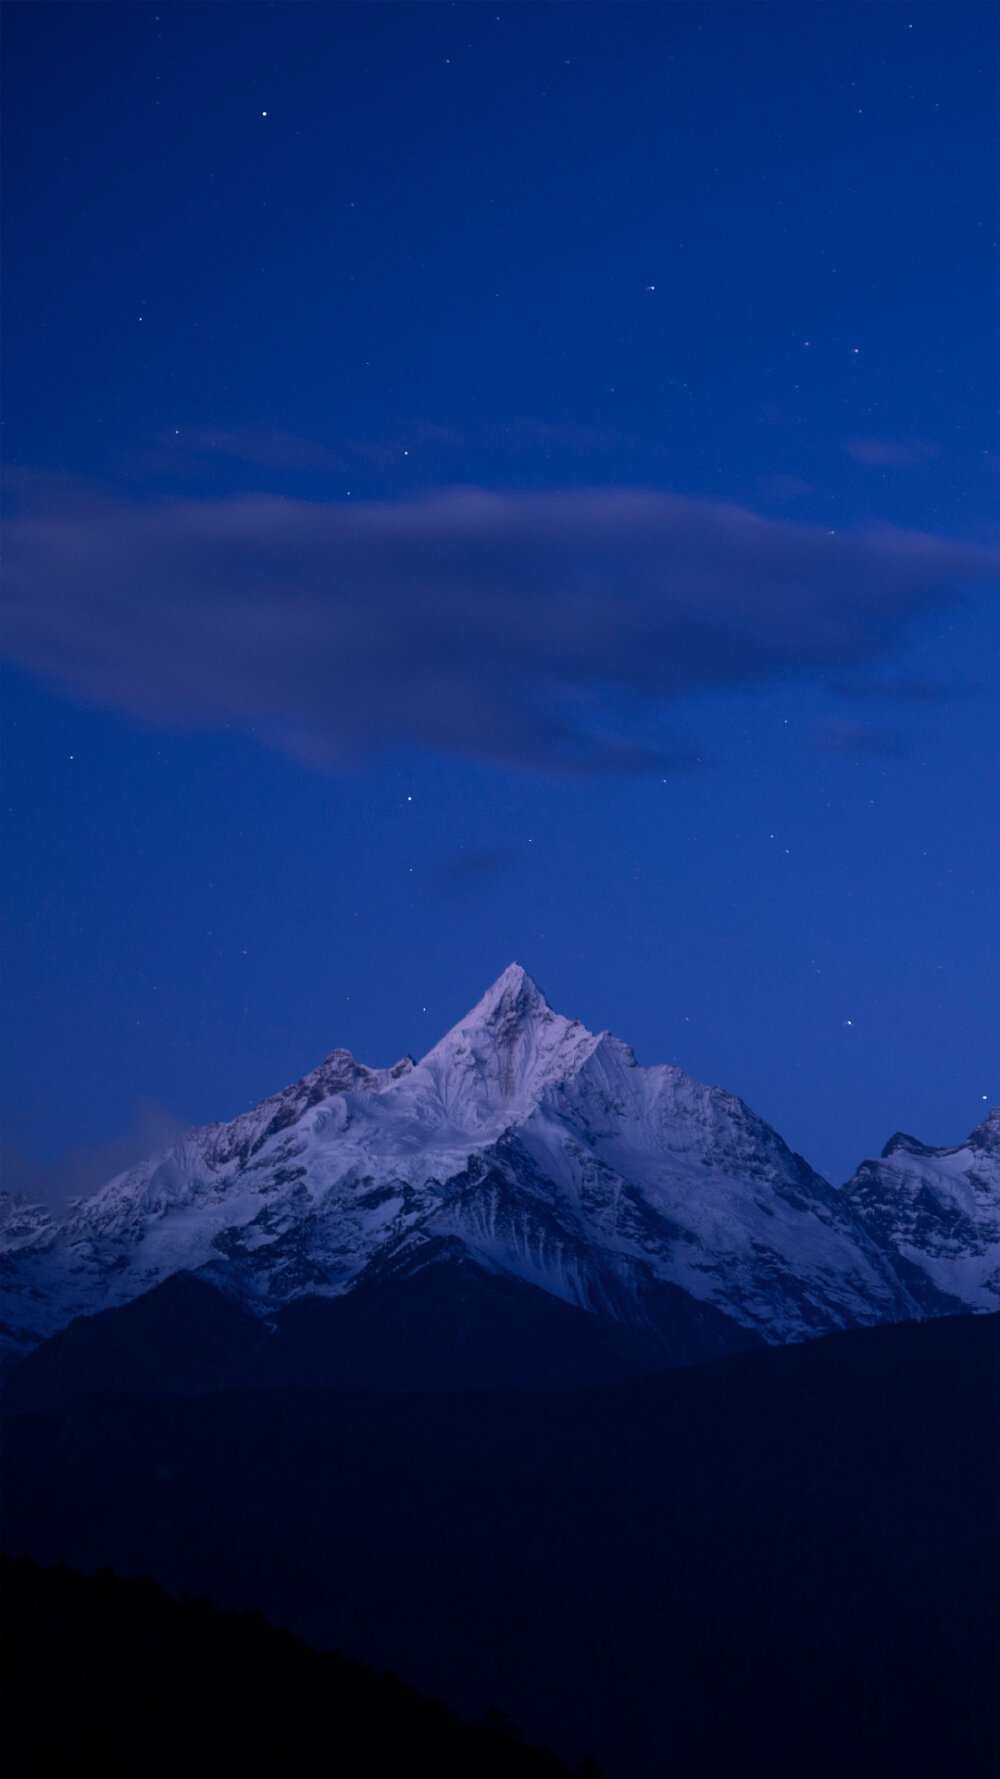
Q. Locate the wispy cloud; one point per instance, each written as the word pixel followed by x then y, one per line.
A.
pixel 266 446
pixel 782 488
pixel 869 689
pixel 888 453
pixel 857 739
pixel 84 1170
pixel 523 434
pixel 497 626
pixel 195 451
pixel 479 865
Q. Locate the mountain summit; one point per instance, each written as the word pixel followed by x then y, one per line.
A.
pixel 494 1065
pixel 525 1204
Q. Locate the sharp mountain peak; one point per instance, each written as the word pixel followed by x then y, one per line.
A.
pixel 552 1162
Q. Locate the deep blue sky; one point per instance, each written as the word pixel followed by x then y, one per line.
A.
pixel 356 255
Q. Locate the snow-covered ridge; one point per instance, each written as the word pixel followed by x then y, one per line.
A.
pixel 549 1156
pixel 939 1210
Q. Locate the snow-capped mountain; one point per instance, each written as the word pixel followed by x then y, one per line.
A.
pixel 522 1154
pixel 937 1212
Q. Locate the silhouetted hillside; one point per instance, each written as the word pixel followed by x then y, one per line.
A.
pixel 781 1565
pixel 447 1324
pixel 109 1676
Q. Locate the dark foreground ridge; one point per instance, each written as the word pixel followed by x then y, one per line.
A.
pixel 447 1324
pixel 111 1676
pixel 780 1565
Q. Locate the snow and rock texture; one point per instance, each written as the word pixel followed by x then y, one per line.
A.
pixel 936 1212
pixel 526 1161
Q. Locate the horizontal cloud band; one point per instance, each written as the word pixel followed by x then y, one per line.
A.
pixel 486 624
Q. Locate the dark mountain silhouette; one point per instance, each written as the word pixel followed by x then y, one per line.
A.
pixel 113 1677
pixel 782 1564
pixel 183 1337
pixel 437 1321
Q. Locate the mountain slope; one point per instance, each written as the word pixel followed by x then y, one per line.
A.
pixel 111 1676
pixel 524 1150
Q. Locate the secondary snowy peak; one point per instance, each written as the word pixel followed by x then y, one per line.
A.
pixel 985 1139
pixel 936 1213
pixel 986 1136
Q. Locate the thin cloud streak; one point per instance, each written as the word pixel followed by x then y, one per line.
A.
pixel 857 739
pixel 80 1173
pixel 888 453
pixel 481 865
pixel 266 446
pixel 497 626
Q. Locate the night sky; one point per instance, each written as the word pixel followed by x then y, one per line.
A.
pixel 497 482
